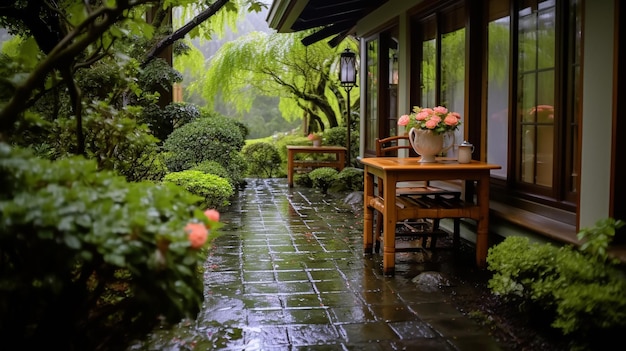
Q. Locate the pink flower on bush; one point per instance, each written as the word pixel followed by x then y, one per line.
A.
pixel 197 234
pixel 212 215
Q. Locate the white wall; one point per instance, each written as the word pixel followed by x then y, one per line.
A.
pixel 597 111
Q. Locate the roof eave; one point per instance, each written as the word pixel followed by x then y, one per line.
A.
pixel 284 13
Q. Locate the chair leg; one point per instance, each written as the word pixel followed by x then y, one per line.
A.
pixel 456 236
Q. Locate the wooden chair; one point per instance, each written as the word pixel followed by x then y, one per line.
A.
pixel 387 147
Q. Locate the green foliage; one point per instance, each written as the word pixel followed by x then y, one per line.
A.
pixel 596 239
pixel 303 180
pixel 214 190
pixel 323 178
pixel 89 260
pixel 351 179
pixel 263 160
pixel 584 295
pixel 337 136
pixel 212 167
pixel 162 122
pixel 282 141
pixel 214 138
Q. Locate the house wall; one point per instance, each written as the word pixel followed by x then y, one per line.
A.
pixel 597 100
pixel 598 97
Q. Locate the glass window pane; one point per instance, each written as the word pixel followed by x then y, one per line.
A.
pixel 545 38
pixel 428 69
pixel 545 150
pixel 393 113
pixel 536 91
pixel 527 166
pixel 453 66
pixel 453 77
pixel 527 100
pixel 498 88
pixel 371 95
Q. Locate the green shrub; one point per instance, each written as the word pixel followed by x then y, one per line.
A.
pixel 236 168
pixel 214 190
pixel 323 178
pixel 212 167
pixel 113 138
pixel 213 138
pixel 303 180
pixel 262 158
pixel 88 260
pixel 596 240
pixel 163 121
pixel 351 178
pixel 583 295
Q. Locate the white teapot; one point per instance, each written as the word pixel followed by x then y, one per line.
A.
pixel 465 152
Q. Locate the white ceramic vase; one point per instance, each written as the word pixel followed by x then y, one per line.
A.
pixel 427 144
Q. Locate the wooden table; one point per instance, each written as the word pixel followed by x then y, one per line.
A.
pixel 338 163
pixel 392 170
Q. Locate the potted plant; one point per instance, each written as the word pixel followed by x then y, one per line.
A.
pixel 316 138
pixel 427 128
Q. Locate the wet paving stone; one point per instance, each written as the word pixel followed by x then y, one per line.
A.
pixel 289 273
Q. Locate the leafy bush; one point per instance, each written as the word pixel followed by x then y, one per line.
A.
pixel 263 159
pixel 351 178
pixel 162 122
pixel 90 261
pixel 113 138
pixel 236 168
pixel 214 190
pixel 212 167
pixel 584 295
pixel 303 180
pixel 214 138
pixel 596 240
pixel 323 178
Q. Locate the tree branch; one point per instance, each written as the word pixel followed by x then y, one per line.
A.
pixel 182 31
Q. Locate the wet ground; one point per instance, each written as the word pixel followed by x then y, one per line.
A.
pixel 289 273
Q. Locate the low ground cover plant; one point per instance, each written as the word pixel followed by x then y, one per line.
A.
pixel 579 291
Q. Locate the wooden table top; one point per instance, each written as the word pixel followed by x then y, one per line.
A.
pixel 412 163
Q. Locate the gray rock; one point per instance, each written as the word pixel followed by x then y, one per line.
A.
pixel 430 281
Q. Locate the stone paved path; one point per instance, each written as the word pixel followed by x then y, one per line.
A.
pixel 289 273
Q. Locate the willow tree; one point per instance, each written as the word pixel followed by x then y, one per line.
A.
pixel 279 65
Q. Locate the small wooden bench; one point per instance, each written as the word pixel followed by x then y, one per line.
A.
pixel 292 164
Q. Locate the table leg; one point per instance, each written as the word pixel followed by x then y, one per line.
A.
pixel 482 227
pixel 341 158
pixel 368 214
pixel 389 225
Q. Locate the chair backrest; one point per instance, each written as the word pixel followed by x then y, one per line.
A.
pixel 389 146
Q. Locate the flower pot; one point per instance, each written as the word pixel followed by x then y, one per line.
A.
pixel 317 143
pixel 428 144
